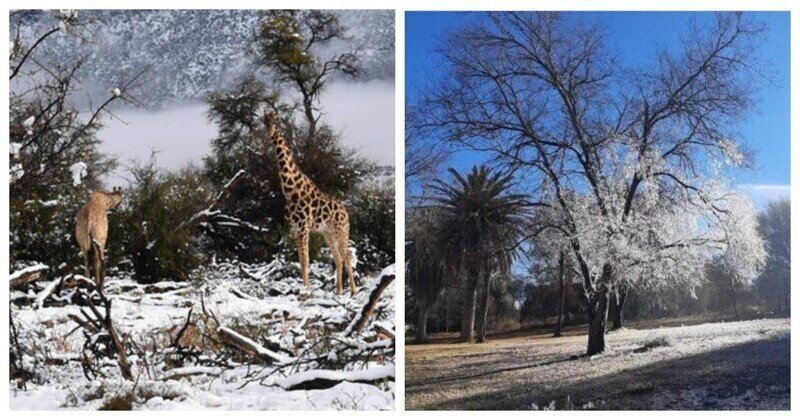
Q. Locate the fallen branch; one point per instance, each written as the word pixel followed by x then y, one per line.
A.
pixel 234 339
pixel 322 379
pixel 209 211
pixel 383 329
pixel 220 219
pixel 26 275
pixel 183 372
pixel 47 291
pixel 360 320
pixel 240 294
pixel 67 282
pixel 177 341
pixel 108 325
pixel 95 326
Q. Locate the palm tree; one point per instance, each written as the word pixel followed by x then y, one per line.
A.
pixel 482 221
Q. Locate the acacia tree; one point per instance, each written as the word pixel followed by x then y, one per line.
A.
pixel 628 160
pixel 289 46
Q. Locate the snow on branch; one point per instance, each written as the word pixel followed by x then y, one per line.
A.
pixel 211 212
pixel 67 282
pixel 321 379
pixel 26 275
pixel 250 347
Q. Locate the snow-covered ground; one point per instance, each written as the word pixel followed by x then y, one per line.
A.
pixel 736 365
pixel 299 334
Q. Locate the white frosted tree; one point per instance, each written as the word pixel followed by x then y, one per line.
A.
pixel 631 160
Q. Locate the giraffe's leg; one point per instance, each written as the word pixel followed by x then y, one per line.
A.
pixel 301 241
pixel 86 263
pixel 99 264
pixel 344 245
pixel 330 238
pixel 102 275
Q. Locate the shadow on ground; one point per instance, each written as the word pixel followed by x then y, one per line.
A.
pixel 752 375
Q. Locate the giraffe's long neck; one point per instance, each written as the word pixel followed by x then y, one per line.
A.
pixel 288 170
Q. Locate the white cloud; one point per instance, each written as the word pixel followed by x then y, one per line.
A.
pixel 362 112
pixel 364 115
pixel 761 194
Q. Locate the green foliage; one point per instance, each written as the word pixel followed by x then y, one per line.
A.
pixel 47 137
pixel 474 226
pixel 482 216
pixel 150 233
pixel 42 230
pixel 426 266
pixel 287 42
pixel 154 236
pixel 372 226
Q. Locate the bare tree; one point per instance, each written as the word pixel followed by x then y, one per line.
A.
pixel 425 154
pixel 542 93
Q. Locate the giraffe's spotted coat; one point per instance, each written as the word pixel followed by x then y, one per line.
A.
pixel 311 210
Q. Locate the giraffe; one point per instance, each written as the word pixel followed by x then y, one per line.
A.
pixel 310 210
pixel 91 230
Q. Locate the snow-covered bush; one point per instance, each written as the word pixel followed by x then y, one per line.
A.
pixel 151 230
pixel 372 226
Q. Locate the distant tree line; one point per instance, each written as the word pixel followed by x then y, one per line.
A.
pixel 540 298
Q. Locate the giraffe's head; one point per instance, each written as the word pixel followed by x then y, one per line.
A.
pixel 114 197
pixel 270 121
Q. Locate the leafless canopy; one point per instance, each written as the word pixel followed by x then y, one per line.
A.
pixel 543 91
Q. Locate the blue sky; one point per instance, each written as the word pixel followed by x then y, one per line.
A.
pixel 634 37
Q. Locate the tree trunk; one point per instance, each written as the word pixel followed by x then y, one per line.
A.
pixel 562 292
pixel 598 313
pixel 597 323
pixel 446 315
pixel 484 314
pixel 617 308
pixel 733 299
pixel 422 323
pixel 308 107
pixel 469 302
